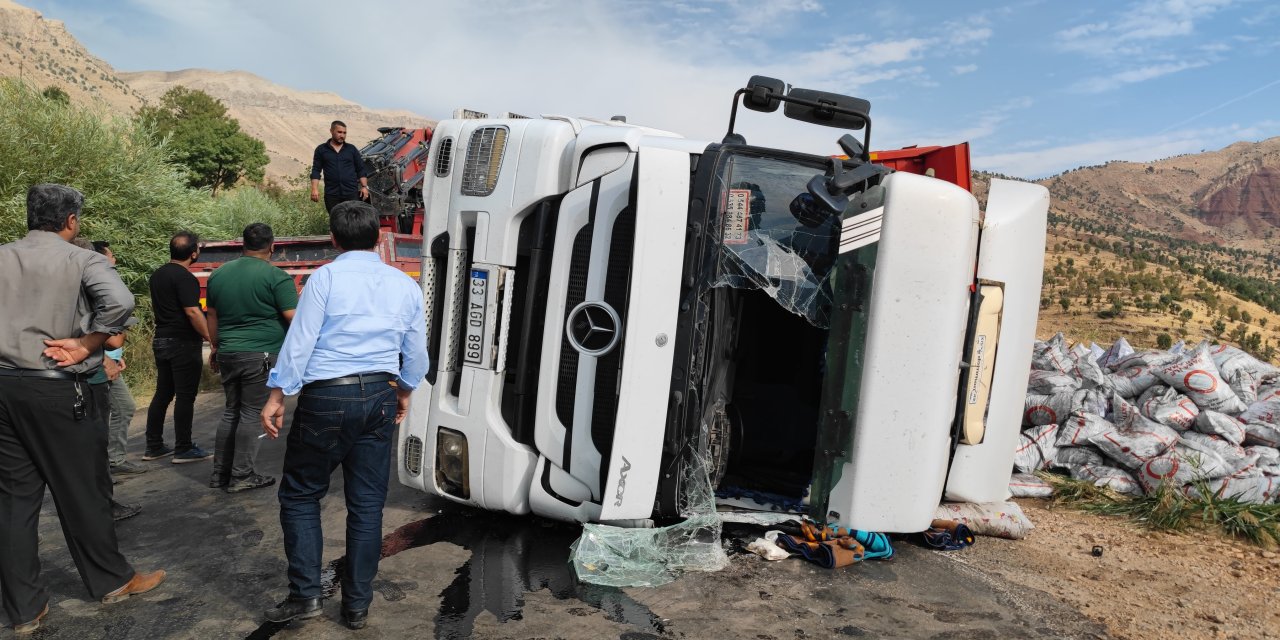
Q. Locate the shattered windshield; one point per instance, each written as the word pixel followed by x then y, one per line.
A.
pixel 772 236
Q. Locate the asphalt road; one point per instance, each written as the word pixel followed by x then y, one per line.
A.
pixel 452 572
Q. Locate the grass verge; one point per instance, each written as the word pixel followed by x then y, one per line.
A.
pixel 1169 509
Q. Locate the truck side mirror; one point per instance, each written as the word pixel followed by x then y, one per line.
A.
pixel 762 94
pixel 827 109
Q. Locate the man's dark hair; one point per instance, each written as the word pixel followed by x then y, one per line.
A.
pixel 183 245
pixel 101 246
pixel 337 123
pixel 49 206
pixel 354 225
pixel 258 236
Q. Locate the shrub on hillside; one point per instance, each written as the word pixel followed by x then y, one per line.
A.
pixel 134 196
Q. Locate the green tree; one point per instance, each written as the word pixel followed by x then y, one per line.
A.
pixel 56 94
pixel 205 140
pixel 1164 341
pixel 1066 304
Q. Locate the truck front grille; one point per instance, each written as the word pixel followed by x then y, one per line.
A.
pixel 616 294
pixel 567 383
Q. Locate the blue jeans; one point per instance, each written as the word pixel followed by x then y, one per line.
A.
pixel 348 425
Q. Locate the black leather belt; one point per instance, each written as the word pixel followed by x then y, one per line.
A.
pixel 358 378
pixel 52 374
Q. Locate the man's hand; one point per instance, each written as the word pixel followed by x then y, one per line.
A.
pixel 213 360
pixel 402 404
pixel 68 351
pixel 364 193
pixel 120 363
pixel 315 196
pixel 273 414
pixel 113 369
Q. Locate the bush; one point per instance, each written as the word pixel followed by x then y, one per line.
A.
pixel 134 197
pixel 232 211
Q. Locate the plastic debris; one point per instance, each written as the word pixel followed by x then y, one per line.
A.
pixel 767 547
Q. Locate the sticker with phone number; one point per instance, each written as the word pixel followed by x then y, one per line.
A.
pixel 737 216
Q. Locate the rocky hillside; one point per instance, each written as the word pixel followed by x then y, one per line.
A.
pixel 45 54
pixel 290 122
pixel 1185 246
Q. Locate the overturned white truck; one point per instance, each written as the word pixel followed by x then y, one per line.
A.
pixel 608 303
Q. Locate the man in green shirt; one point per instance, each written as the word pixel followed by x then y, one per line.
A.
pixel 250 303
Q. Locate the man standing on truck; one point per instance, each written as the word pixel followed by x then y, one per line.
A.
pixel 342 167
pixel 360 327
pixel 180 328
pixel 250 303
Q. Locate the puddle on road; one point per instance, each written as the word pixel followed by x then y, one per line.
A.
pixel 510 556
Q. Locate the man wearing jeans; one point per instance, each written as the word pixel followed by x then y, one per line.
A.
pixel 121 405
pixel 360 326
pixel 250 303
pixel 180 328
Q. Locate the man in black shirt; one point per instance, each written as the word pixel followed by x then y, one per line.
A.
pixel 343 170
pixel 180 328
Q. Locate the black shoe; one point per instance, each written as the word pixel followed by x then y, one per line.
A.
pixel 355 619
pixel 292 609
pixel 156 454
pixel 251 481
pixel 124 511
pixel 194 454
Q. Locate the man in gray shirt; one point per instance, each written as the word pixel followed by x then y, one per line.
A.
pixel 58 305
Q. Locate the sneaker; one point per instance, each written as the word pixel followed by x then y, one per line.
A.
pixel 156 454
pixel 194 454
pixel 127 468
pixel 121 511
pixel 251 481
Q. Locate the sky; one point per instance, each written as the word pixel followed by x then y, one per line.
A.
pixel 1036 86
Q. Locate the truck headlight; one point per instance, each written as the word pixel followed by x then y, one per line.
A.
pixel 483 161
pixel 452 468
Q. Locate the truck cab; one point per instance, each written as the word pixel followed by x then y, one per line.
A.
pixel 610 305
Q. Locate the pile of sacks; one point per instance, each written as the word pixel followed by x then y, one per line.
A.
pixel 1206 416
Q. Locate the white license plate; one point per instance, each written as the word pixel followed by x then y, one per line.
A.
pixel 475 347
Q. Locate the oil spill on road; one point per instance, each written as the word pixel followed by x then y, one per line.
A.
pixel 510 556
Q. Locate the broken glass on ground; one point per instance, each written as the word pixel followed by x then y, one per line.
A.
pixel 627 557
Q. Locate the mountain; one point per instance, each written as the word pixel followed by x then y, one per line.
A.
pixel 1185 246
pixel 44 53
pixel 291 123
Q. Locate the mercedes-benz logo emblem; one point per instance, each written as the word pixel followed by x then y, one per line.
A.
pixel 593 328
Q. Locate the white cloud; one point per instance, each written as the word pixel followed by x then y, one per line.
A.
pixel 1119 79
pixel 1139 29
pixel 964 68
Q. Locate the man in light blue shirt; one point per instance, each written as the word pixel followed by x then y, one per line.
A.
pixel 359 326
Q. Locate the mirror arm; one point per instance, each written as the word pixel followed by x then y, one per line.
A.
pixel 733 112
